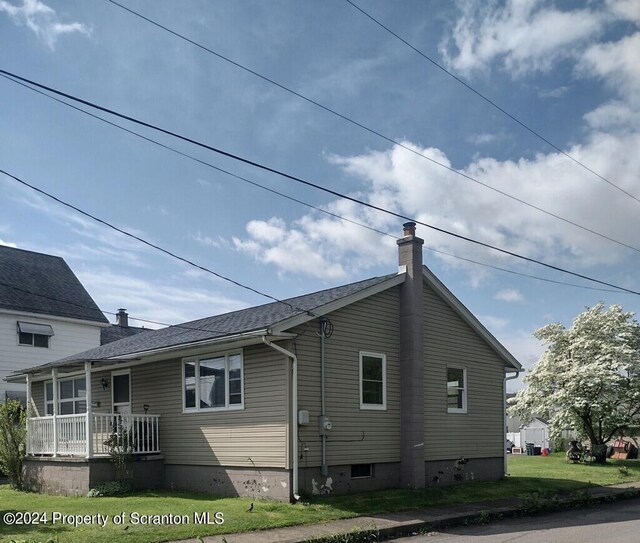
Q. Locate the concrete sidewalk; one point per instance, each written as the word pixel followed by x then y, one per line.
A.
pixel 404 523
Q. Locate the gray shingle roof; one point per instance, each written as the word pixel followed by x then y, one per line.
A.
pixel 43 284
pixel 228 324
pixel 116 332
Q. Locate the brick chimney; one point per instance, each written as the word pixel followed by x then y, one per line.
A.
pixel 122 318
pixel 412 455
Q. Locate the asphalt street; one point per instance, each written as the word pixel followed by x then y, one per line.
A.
pixel 619 521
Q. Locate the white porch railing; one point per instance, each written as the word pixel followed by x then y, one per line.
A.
pixel 66 435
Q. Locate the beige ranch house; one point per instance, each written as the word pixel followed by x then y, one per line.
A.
pixel 385 383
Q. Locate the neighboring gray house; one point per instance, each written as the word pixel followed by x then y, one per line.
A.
pixel 384 383
pixel 36 326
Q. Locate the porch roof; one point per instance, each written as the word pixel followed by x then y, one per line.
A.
pixel 228 325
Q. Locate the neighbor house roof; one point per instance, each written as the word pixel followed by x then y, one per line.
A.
pixel 43 284
pixel 244 321
pixel 115 332
pixel 274 318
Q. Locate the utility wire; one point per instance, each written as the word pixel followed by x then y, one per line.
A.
pixel 150 244
pixel 301 202
pixel 487 99
pixel 371 130
pixel 298 180
pixel 83 306
pixel 195 159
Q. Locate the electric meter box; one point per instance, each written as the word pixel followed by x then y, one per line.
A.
pixel 303 417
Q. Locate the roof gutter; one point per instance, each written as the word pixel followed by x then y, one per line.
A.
pixel 294 412
pixel 255 334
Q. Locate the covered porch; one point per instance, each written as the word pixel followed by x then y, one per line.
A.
pixel 74 425
pixel 91 434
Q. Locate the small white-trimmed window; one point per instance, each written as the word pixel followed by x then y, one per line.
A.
pixel 72 396
pixel 373 381
pixel 34 335
pixel 213 382
pixel 456 390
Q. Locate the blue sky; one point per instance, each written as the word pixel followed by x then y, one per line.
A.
pixel 569 70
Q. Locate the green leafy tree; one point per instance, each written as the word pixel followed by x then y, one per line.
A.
pixel 13 433
pixel 588 378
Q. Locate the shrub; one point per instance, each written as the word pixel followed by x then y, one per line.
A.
pixel 13 433
pixel 112 488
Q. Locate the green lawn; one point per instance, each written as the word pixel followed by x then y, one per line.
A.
pixel 528 474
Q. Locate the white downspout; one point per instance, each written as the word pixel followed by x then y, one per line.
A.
pixel 504 403
pixel 294 411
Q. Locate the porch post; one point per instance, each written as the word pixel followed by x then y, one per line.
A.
pixel 89 414
pixel 54 377
pixel 28 411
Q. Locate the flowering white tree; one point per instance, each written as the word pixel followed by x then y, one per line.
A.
pixel 588 378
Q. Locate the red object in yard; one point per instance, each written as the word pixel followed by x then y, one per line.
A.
pixel 545 452
pixel 623 449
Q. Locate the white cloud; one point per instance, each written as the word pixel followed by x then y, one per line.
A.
pixel 625 9
pixel 42 20
pixel 7 243
pixel 103 241
pixel 616 63
pixel 482 139
pixel 524 35
pixel 509 295
pixel 154 299
pixel 208 241
pixel 296 250
pixel 493 323
pixel 558 92
pixel 526 349
pixel 401 181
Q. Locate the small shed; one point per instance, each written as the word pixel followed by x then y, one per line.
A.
pixel 536 432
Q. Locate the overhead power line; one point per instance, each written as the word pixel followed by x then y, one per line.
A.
pixel 84 306
pixel 150 244
pixel 301 202
pixel 368 129
pixel 307 183
pixel 488 100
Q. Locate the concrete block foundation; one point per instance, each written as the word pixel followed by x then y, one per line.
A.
pixel 462 470
pixel 76 476
pixel 268 483
pixel 339 480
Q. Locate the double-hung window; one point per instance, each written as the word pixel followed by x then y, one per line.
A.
pixel 213 382
pixel 72 396
pixel 456 390
pixel 373 381
pixel 34 335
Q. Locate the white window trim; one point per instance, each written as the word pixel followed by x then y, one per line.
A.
pixel 374 406
pixel 228 406
pixel 48 401
pixel 34 329
pixel 463 409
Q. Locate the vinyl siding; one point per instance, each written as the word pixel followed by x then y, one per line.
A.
pixel 357 436
pixel 448 340
pixel 68 338
pixel 255 435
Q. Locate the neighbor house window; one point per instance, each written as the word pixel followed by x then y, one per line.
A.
pixel 213 382
pixel 34 335
pixel 373 381
pixel 72 396
pixel 456 390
